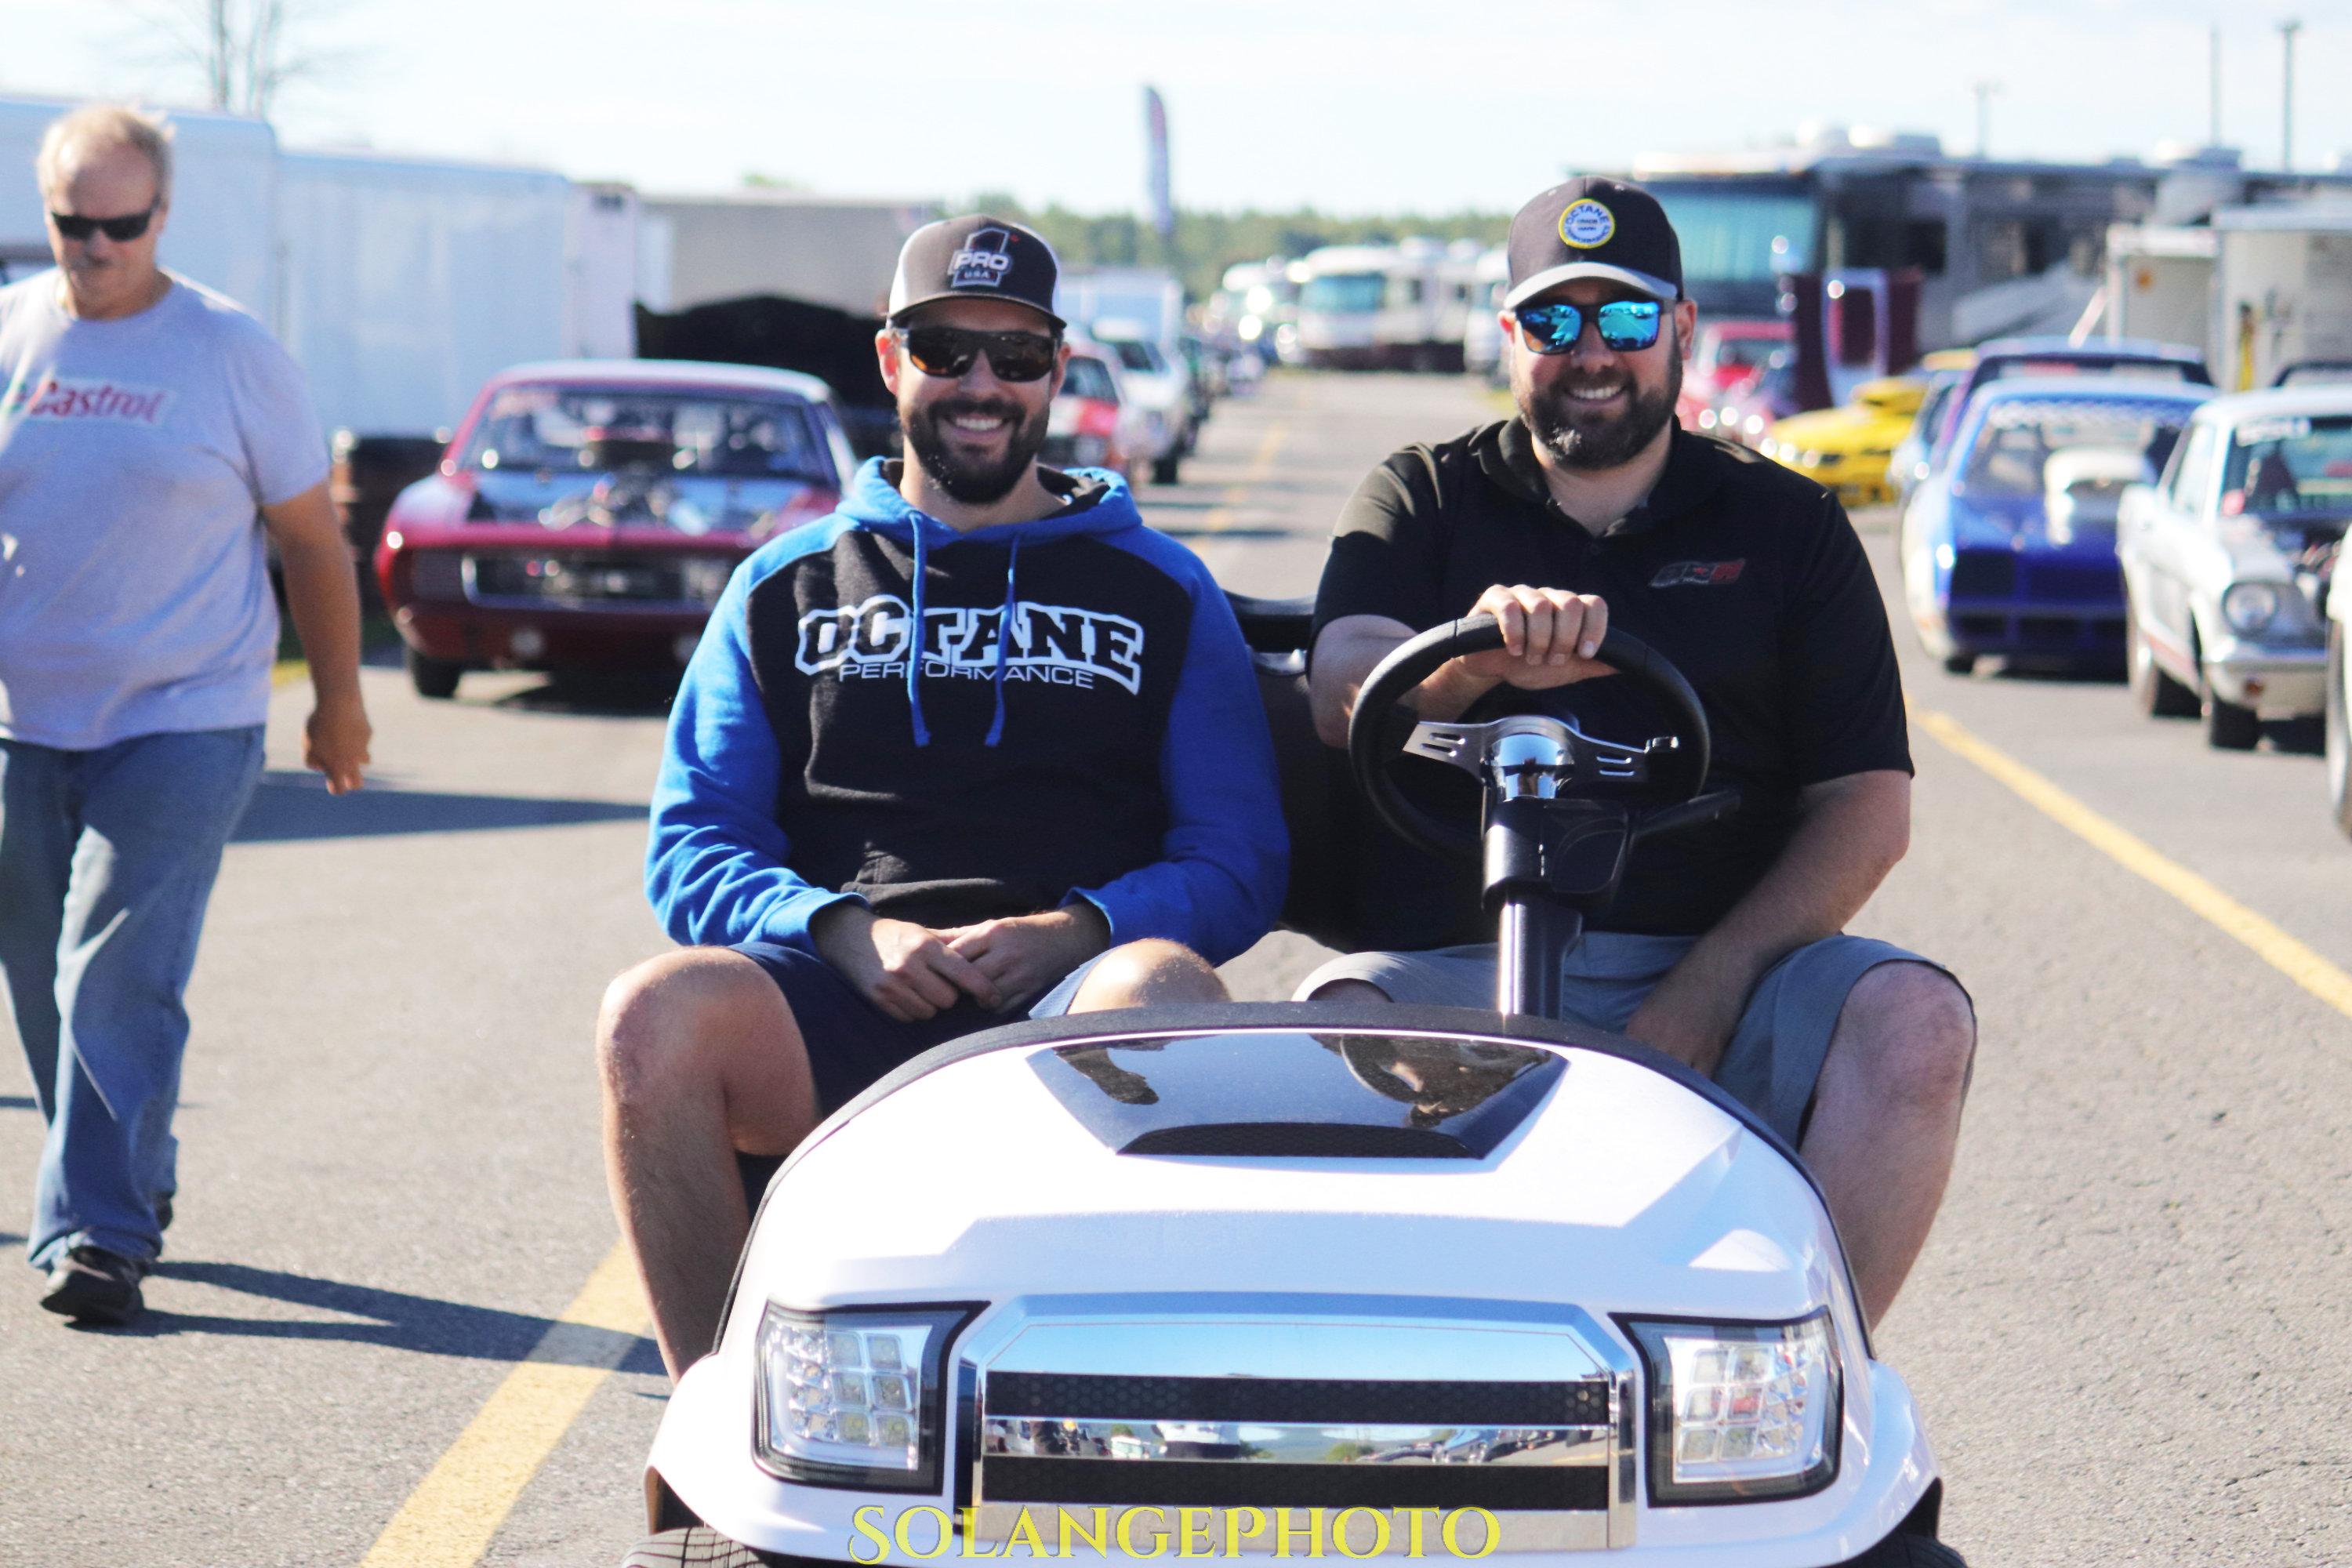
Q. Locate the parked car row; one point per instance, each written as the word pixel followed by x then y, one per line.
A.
pixel 2097 507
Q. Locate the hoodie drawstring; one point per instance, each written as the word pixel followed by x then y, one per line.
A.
pixel 915 647
pixel 915 642
pixel 1004 640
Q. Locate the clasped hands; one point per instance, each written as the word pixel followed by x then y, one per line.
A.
pixel 911 972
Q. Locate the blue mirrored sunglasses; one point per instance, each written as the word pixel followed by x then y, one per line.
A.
pixel 1624 325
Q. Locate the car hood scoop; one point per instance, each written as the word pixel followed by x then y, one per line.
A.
pixel 1280 1095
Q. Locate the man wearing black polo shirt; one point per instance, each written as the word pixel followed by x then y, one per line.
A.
pixel 1725 948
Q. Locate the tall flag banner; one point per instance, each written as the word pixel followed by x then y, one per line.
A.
pixel 1155 121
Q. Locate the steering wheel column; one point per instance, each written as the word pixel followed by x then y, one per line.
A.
pixel 1563 809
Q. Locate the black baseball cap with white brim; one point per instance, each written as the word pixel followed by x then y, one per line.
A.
pixel 976 258
pixel 1593 226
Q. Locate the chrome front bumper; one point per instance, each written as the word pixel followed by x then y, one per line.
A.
pixel 1239 1428
pixel 2292 679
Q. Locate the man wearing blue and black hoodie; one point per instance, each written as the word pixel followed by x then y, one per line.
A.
pixel 978 745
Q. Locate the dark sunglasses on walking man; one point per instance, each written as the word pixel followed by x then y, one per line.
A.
pixel 950 352
pixel 128 226
pixel 1624 325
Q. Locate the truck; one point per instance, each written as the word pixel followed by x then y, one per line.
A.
pixel 1383 307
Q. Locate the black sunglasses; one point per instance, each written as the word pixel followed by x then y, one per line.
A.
pixel 128 226
pixel 1624 325
pixel 950 352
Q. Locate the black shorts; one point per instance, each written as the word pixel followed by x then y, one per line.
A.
pixel 850 1042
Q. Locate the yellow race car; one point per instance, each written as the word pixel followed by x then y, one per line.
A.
pixel 1847 449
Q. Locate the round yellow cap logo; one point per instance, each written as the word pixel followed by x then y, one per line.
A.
pixel 1587 223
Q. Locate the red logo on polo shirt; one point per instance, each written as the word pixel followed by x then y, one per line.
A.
pixel 1698 574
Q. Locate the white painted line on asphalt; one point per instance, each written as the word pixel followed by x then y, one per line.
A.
pixel 448 1521
pixel 2269 943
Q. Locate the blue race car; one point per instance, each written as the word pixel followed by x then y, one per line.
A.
pixel 2008 547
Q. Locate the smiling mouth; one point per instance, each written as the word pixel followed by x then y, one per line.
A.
pixel 980 423
pixel 1594 393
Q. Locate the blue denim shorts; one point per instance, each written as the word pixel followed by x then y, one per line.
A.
pixel 1774 1059
pixel 851 1043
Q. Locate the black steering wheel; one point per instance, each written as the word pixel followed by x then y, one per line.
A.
pixel 1412 662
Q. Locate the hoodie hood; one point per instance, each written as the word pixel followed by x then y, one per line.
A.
pixel 1095 502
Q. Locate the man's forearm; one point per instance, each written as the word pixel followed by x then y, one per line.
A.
pixel 322 595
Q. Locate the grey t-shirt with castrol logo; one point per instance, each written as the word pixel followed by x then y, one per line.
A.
pixel 135 454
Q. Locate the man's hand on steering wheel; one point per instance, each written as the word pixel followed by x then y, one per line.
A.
pixel 1549 636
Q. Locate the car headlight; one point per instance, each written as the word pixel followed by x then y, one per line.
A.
pixel 1813 459
pixel 2249 607
pixel 1740 1410
pixel 853 1397
pixel 1768 446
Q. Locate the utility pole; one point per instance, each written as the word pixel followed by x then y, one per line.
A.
pixel 2213 137
pixel 1985 90
pixel 2287 30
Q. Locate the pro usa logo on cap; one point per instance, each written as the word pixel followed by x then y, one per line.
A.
pixel 983 261
pixel 1587 223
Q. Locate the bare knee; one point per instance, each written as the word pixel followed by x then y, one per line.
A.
pixel 667 1021
pixel 1142 972
pixel 1910 1034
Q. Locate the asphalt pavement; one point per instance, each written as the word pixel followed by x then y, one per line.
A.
pixel 2127 1334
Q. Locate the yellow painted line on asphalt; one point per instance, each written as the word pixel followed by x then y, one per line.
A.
pixel 1221 517
pixel 448 1521
pixel 2273 945
pixel 286 671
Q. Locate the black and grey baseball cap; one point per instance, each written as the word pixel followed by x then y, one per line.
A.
pixel 975 258
pixel 1593 226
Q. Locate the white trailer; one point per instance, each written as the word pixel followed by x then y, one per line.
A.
pixel 825 250
pixel 2160 285
pixel 2283 290
pixel 219 232
pixel 408 284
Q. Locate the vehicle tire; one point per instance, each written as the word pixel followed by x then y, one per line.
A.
pixel 1904 1550
pixel 434 678
pixel 2230 727
pixel 697 1547
pixel 2158 694
pixel 2340 732
pixel 1961 663
pixel 1163 469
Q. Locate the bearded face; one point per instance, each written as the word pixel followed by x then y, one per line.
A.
pixel 974 447
pixel 1601 416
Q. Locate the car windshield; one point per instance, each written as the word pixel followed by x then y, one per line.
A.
pixel 1344 293
pixel 1746 353
pixel 2094 365
pixel 2020 436
pixel 1089 378
pixel 602 429
pixel 1138 355
pixel 2290 467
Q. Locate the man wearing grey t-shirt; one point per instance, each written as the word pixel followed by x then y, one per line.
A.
pixel 151 435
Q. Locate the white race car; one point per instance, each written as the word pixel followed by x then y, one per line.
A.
pixel 1315 1279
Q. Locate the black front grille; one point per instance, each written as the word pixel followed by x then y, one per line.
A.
pixel 1581 1488
pixel 1302 1141
pixel 621 579
pixel 1984 574
pixel 2066 585
pixel 1076 1396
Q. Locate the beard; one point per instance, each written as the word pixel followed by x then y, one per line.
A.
pixel 974 482
pixel 1587 441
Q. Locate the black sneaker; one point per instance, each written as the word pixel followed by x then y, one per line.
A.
pixel 91 1285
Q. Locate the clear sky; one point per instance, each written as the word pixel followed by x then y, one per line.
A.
pixel 1351 105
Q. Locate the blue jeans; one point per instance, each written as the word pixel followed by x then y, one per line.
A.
pixel 106 858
